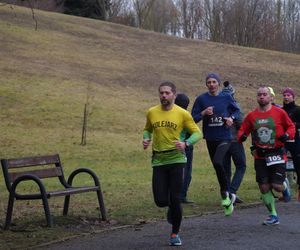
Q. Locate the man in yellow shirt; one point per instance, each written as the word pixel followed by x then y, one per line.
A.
pixel 164 125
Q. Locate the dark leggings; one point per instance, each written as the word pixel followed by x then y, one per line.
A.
pixel 294 148
pixel 217 151
pixel 166 185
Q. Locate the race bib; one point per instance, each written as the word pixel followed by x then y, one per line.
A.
pixel 215 121
pixel 274 159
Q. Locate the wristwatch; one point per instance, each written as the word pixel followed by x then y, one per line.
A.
pixel 187 144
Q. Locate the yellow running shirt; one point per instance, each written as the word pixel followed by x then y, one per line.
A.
pixel 165 127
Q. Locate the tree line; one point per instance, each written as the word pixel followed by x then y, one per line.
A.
pixel 268 24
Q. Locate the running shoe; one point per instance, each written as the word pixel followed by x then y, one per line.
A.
pixel 238 200
pixel 227 205
pixel 271 220
pixel 286 192
pixel 186 201
pixel 233 197
pixel 175 240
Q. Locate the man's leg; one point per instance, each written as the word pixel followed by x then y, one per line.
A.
pixel 269 201
pixel 294 148
pixel 217 152
pixel 187 176
pixel 264 175
pixel 297 169
pixel 160 186
pixel 239 159
pixel 279 181
pixel 175 178
pixel 227 166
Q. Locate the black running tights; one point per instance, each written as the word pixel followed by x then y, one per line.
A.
pixel 166 184
pixel 217 151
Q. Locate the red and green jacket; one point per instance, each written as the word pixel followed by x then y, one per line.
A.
pixel 267 127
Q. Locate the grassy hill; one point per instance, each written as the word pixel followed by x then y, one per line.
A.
pixel 48 75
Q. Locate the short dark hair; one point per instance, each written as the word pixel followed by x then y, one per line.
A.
pixel 264 87
pixel 169 84
pixel 182 100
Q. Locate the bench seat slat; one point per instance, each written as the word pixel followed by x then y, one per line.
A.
pixel 73 190
pixel 61 192
pixel 33 161
pixel 41 173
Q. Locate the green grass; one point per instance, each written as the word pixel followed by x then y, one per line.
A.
pixel 47 76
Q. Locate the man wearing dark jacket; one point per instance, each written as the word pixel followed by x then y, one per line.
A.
pixel 236 151
pixel 182 100
pixel 293 146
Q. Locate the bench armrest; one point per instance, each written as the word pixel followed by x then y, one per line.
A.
pixel 83 170
pixel 27 177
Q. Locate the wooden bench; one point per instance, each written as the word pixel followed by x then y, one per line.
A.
pixel 16 171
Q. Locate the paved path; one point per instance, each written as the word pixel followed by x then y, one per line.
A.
pixel 242 231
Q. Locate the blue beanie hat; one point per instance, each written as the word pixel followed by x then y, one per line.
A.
pixel 213 75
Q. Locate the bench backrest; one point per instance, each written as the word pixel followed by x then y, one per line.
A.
pixel 50 166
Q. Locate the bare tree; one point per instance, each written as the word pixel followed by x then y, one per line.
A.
pixel 142 9
pixel 156 15
pixel 115 8
pixel 28 3
pixel 189 17
pixel 292 24
pixel 86 113
pixel 212 19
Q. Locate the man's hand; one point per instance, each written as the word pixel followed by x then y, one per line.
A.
pixel 283 138
pixel 146 143
pixel 208 111
pixel 228 121
pixel 243 138
pixel 180 145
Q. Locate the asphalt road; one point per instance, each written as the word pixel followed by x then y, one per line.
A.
pixel 242 230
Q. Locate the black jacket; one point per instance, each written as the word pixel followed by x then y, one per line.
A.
pixel 293 111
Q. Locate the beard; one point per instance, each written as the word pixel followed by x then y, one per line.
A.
pixel 165 102
pixel 263 104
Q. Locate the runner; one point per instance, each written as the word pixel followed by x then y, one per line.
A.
pixel 271 128
pixel 182 100
pixel 293 111
pixel 164 124
pixel 218 112
pixel 236 151
pixel 273 97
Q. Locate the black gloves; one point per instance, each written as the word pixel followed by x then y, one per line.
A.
pixel 253 149
pixel 283 138
pixel 243 138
